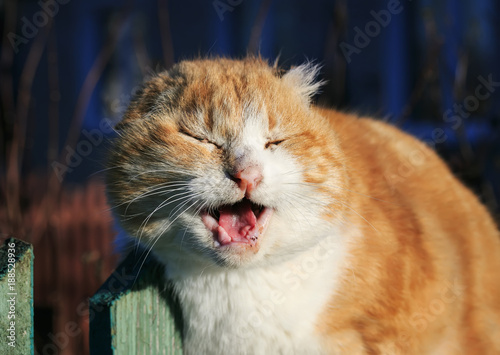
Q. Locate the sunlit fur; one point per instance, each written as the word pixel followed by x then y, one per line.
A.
pixel 373 247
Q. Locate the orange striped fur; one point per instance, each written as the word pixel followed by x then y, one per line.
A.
pixel 420 270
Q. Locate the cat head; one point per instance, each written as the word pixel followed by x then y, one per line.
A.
pixel 226 162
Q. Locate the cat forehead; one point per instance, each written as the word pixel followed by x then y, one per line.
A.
pixel 225 94
pixel 227 83
pixel 230 90
pixel 231 101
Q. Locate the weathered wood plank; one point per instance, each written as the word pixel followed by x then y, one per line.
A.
pixel 134 312
pixel 16 306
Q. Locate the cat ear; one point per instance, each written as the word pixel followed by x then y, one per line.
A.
pixel 303 79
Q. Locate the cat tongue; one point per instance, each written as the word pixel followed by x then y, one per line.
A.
pixel 237 220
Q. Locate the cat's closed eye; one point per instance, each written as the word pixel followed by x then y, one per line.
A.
pixel 198 138
pixel 274 143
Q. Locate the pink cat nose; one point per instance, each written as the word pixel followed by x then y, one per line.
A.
pixel 248 178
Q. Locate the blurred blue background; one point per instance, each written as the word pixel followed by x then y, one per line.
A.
pixel 69 67
pixel 404 61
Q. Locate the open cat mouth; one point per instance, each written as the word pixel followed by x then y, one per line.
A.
pixel 244 222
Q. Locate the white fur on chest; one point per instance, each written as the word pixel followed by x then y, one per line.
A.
pixel 271 310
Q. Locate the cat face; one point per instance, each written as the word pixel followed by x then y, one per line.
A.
pixel 226 162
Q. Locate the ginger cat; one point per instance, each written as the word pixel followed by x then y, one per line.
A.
pixel 291 229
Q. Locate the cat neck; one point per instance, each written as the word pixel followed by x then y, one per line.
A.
pixel 245 307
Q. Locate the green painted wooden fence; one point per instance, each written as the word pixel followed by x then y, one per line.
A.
pixel 16 305
pixel 134 312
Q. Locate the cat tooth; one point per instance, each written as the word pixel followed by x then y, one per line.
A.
pixel 216 244
pixel 224 238
pixel 209 222
pixel 265 216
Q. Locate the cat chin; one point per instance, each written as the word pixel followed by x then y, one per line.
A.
pixel 194 261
